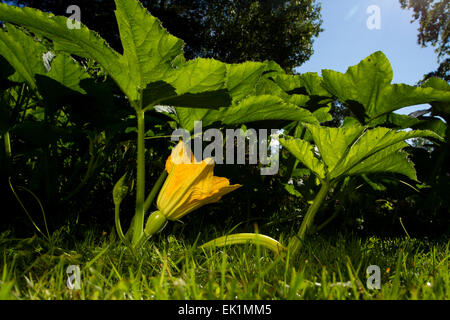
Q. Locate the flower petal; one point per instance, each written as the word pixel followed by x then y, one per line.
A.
pixel 177 187
pixel 181 154
pixel 190 184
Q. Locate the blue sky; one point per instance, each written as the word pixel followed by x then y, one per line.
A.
pixel 346 40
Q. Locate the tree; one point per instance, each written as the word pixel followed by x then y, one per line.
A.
pixel 433 16
pixel 230 31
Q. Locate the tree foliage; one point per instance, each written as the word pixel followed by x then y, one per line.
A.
pixel 434 30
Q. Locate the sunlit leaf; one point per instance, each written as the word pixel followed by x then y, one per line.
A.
pixel 366 89
pixel 23 53
pixel 148 49
pixel 304 152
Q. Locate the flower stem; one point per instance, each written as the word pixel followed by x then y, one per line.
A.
pixel 155 189
pixel 296 242
pixel 138 227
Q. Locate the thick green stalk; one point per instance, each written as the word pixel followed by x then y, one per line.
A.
pixel 296 242
pixel 7 140
pixel 138 227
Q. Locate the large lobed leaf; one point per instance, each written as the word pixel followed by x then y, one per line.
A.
pixel 23 53
pixel 333 143
pixel 366 88
pixel 356 150
pixel 148 49
pixel 250 109
pixel 304 152
pixel 440 108
pixel 242 78
pixel 82 42
pixel 372 147
pixel 52 77
pixel 151 54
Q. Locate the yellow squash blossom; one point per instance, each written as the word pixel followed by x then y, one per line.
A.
pixel 189 185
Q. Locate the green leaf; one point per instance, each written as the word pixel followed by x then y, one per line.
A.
pixel 151 55
pixel 312 83
pixel 323 114
pixel 263 107
pixel 291 189
pixel 82 42
pixel 122 188
pixel 157 91
pixel 355 150
pixel 198 75
pixel 23 53
pixel 54 78
pixel 266 86
pixel 309 83
pixel 287 82
pixel 207 99
pixel 401 121
pixel 387 160
pixel 366 88
pixel 436 83
pixel 272 67
pixel 242 78
pixel 187 116
pixel 333 143
pixel 439 108
pixel 304 152
pixel 377 186
pixel 62 83
pixel 68 72
pixel 148 49
pixel 199 83
pixel 299 100
pixel 432 124
pixel 254 108
pixel 377 142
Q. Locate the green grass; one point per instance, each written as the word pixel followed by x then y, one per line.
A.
pixel 171 267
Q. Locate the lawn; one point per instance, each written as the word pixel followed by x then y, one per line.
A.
pixel 172 267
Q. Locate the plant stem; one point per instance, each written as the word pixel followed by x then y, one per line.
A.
pixel 327 222
pixel 155 189
pixel 7 141
pixel 138 227
pixel 296 242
